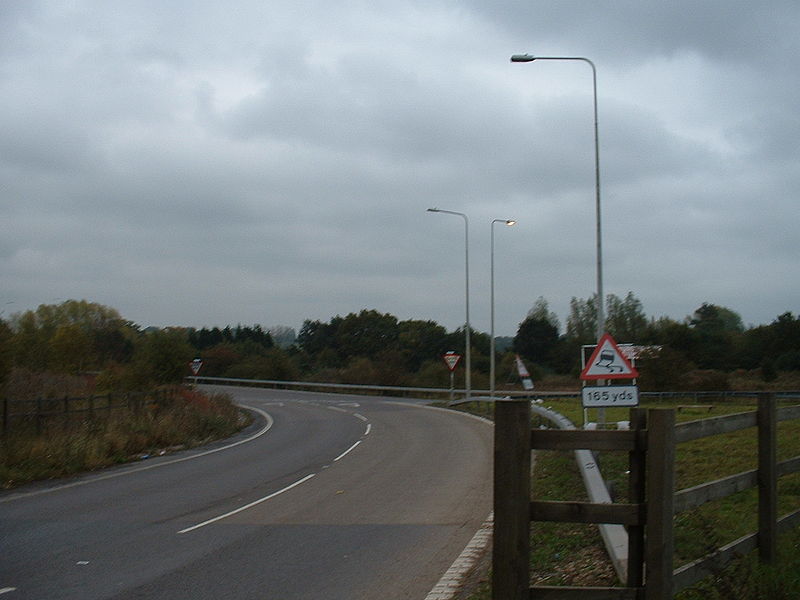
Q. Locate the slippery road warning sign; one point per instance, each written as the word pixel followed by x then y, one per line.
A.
pixel 608 362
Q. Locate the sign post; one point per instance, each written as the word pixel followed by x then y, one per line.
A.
pixel 451 360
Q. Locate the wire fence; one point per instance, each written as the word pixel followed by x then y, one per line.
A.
pixel 39 414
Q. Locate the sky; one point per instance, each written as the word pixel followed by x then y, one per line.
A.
pixel 200 164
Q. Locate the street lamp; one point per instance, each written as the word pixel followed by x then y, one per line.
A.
pixel 467 353
pixel 524 58
pixel 509 223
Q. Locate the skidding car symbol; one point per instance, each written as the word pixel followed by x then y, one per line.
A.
pixel 607 362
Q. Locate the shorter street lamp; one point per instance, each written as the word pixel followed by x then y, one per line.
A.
pixel 509 223
pixel 467 352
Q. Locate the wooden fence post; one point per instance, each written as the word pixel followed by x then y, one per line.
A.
pixel 512 496
pixel 660 500
pixel 767 478
pixel 636 495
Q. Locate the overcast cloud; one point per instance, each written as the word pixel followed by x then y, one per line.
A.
pixel 197 163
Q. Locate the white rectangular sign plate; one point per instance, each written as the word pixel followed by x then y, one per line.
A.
pixel 611 395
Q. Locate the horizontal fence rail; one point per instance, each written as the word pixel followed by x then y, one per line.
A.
pixel 765 477
pixel 653 501
pixel 39 412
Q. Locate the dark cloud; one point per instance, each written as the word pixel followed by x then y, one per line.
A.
pixel 200 164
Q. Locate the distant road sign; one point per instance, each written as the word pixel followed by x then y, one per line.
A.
pixel 195 365
pixel 527 382
pixel 451 359
pixel 608 362
pixel 612 395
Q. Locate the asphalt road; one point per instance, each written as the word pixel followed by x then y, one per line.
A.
pixel 324 497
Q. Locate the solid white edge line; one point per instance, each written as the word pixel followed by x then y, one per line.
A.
pixel 453 579
pixel 346 452
pixel 258 434
pixel 451 582
pixel 246 506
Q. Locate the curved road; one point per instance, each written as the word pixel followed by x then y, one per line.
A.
pixel 324 497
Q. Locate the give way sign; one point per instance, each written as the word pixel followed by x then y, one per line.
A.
pixel 451 359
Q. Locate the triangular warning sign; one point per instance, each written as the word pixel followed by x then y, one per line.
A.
pixel 608 362
pixel 451 358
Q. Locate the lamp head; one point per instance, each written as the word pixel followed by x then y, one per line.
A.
pixel 433 210
pixel 511 222
pixel 522 58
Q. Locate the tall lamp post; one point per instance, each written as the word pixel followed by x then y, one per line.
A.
pixel 509 223
pixel 467 352
pixel 524 58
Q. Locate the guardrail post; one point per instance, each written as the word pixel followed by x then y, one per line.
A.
pixel 767 478
pixel 512 496
pixel 660 500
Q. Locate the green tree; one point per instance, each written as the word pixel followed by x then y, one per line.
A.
pixel 29 343
pixel 536 339
pixel 625 318
pixel 6 357
pixel 582 320
pixel 420 341
pixel 717 331
pixel 71 349
pixel 283 335
pixel 366 334
pixel 541 310
pixel 161 357
pixel 713 319
pixel 316 336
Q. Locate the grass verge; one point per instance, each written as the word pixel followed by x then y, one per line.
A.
pixel 189 419
pixel 567 554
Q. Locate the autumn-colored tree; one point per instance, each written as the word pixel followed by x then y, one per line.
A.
pixel 69 337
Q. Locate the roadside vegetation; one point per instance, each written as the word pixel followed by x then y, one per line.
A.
pixel 79 348
pixel 155 424
pixel 573 554
pixel 709 350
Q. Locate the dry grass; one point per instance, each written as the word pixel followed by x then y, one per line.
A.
pixel 189 419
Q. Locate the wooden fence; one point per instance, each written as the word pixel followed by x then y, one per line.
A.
pixel 652 503
pixel 43 412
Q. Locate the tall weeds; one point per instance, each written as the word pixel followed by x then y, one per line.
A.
pixel 188 419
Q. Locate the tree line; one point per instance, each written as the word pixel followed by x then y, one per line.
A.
pixel 707 350
pixel 711 348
